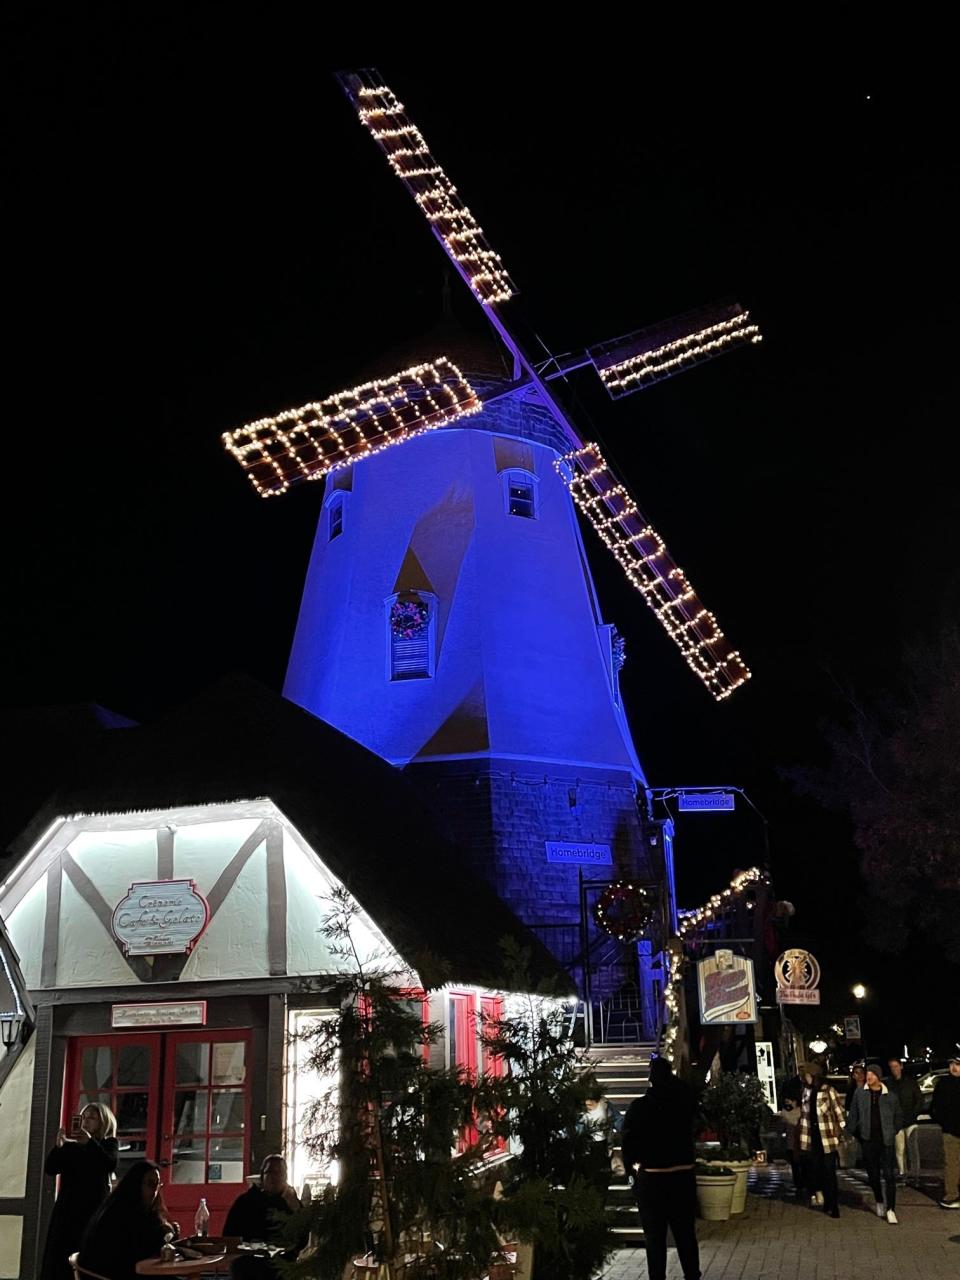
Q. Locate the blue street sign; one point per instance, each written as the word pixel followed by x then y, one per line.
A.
pixel 707 801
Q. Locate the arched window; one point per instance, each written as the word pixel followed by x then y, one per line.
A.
pixel 335 508
pixel 411 618
pixel 519 493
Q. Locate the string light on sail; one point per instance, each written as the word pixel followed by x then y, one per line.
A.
pixel 405 147
pixel 640 359
pixel 309 442
pixel 649 567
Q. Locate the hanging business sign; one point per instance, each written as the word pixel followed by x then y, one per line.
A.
pixel 567 851
pixel 727 990
pixel 170 1013
pixel 851 1027
pixel 160 918
pixel 765 1072
pixel 706 801
pixel 798 976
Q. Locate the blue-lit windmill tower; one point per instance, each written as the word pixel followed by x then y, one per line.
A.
pixel 449 620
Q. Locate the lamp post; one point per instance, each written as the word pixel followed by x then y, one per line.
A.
pixel 859 992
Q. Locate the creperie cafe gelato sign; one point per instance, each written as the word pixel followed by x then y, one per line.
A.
pixel 160 918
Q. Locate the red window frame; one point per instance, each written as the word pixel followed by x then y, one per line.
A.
pixel 462 1049
pixel 492 1064
pixel 158 1136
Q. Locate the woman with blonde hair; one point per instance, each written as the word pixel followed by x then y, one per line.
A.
pixel 84 1164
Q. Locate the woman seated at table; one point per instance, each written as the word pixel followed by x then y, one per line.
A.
pixel 260 1214
pixel 129 1226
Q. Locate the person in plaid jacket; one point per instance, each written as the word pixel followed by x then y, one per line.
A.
pixel 821 1126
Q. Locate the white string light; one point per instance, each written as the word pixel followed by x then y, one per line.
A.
pixel 405 147
pixel 309 442
pixel 649 567
pixel 691 921
pixel 643 368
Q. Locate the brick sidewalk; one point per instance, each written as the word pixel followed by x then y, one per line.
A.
pixel 780 1239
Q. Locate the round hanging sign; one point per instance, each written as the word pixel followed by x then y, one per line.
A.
pixel 624 910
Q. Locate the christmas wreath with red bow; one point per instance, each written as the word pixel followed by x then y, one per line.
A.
pixel 408 618
pixel 624 910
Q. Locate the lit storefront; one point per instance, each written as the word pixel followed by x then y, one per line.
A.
pixel 175 950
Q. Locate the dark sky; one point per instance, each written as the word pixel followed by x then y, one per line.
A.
pixel 199 232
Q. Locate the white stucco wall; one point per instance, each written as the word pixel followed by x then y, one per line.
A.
pixel 15 1126
pixel 11 1233
pixel 113 851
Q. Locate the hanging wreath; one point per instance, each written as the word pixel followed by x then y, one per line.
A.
pixel 408 618
pixel 624 910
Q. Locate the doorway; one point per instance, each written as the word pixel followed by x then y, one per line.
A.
pixel 182 1099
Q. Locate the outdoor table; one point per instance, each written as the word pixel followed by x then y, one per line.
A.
pixel 219 1263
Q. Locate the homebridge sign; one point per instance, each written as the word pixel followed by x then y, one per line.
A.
pixel 160 918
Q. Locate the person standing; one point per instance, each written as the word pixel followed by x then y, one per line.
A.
pixel 820 1128
pixel 945 1109
pixel 907 1092
pixel 84 1165
pixel 657 1143
pixel 876 1120
pixel 858 1078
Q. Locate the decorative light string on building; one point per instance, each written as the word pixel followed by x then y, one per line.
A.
pixel 309 442
pixel 690 923
pixel 649 567
pixel 405 147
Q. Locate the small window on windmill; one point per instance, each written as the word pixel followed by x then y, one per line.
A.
pixel 335 508
pixel 520 494
pixel 411 631
pixel 615 653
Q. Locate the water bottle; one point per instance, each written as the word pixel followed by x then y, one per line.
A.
pixel 201 1220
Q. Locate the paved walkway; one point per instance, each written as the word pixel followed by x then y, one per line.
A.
pixel 780 1239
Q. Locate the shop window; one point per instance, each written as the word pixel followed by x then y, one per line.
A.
pixel 411 635
pixel 491 1064
pixel 520 493
pixel 462 1048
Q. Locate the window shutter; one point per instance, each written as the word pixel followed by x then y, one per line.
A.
pixel 410 658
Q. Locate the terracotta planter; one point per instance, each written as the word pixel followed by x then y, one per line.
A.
pixel 715 1195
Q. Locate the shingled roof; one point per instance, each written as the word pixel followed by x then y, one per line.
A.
pixel 241 741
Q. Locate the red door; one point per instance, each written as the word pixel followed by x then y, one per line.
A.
pixel 122 1071
pixel 180 1098
pixel 206 1122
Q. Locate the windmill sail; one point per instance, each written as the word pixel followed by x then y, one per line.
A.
pixel 405 147
pixel 648 565
pixel 307 443
pixel 640 359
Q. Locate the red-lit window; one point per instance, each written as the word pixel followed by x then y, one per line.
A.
pixel 462 1047
pixel 417 1003
pixel 491 1064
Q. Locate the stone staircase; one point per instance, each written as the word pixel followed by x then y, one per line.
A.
pixel 623 1073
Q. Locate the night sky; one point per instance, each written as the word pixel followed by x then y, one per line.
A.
pixel 199 233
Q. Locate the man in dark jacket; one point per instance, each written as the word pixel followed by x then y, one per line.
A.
pixel 907 1092
pixel 657 1141
pixel 260 1215
pixel 945 1109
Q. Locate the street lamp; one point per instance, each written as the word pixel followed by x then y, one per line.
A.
pixel 859 991
pixel 11 1027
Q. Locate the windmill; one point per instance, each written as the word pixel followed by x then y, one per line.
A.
pixel 322 437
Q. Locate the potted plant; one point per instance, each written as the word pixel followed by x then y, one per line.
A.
pixel 715 1187
pixel 734 1107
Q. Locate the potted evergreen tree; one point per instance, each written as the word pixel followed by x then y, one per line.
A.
pixel 734 1107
